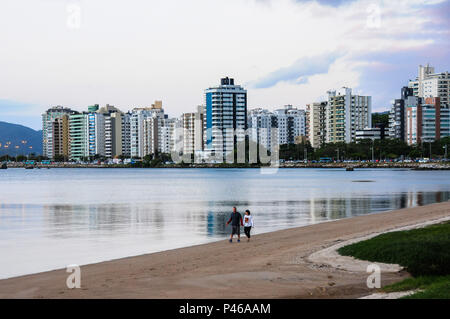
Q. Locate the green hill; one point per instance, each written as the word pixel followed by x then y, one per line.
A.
pixel 19 140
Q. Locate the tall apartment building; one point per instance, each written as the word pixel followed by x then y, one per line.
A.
pixel 261 125
pixel 138 115
pixel 193 125
pixel 346 113
pixel 104 131
pixel 431 84
pixel 144 124
pixel 291 123
pixel 315 123
pixel 152 133
pixel 397 127
pixel 60 137
pixel 412 106
pixel 109 135
pixel 126 134
pixel 426 120
pixel 96 131
pixel 225 117
pixel 188 132
pixel 78 136
pixel 167 135
pixel 113 134
pixel 55 135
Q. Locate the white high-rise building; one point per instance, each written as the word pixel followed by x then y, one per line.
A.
pixel 167 135
pixel 144 130
pixel 426 120
pixel 291 123
pixel 188 132
pixel 285 124
pixel 50 147
pixel 261 124
pixel 112 131
pixel 137 131
pixel 431 84
pixel 346 113
pixel 193 125
pixel 78 136
pixel 151 134
pixel 96 123
pixel 225 117
pixel 315 123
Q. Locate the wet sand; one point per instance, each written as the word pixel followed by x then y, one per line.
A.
pixel 272 265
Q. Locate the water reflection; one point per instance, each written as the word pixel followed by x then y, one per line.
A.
pixel 202 217
pixel 49 219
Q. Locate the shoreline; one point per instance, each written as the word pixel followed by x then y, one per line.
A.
pixel 272 265
pixel 407 166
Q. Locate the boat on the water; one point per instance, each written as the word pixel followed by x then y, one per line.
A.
pixel 349 169
pixel 4 166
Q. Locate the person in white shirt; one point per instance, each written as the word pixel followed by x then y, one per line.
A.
pixel 248 224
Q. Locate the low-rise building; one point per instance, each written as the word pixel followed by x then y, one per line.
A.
pixel 371 133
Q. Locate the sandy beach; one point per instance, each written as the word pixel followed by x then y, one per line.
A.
pixel 272 265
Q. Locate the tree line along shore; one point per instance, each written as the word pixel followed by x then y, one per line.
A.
pixel 342 165
pixel 366 153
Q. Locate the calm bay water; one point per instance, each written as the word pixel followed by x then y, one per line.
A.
pixel 53 218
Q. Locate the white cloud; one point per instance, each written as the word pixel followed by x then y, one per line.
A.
pixel 131 53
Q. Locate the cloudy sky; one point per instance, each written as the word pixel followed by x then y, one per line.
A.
pixel 130 53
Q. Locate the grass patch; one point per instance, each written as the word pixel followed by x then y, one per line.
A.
pixel 431 287
pixel 440 289
pixel 424 252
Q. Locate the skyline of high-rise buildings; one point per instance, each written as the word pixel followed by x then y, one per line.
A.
pixel 422 112
pixel 216 128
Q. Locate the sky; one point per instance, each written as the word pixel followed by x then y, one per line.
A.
pixel 77 53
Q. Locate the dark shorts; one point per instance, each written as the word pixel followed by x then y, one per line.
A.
pixel 236 230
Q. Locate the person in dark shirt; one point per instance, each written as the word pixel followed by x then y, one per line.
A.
pixel 236 223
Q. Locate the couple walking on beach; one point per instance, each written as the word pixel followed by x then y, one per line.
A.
pixel 237 221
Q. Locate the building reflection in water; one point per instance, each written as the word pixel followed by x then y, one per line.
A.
pixel 43 237
pixel 165 220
